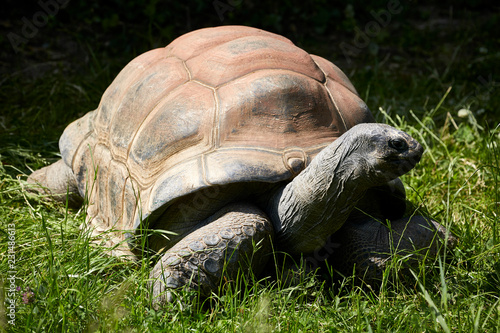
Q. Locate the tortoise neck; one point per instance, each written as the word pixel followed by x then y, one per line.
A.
pixel 318 201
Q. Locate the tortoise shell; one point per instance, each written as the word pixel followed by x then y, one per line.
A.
pixel 216 106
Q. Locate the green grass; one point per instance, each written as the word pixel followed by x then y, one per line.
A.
pixel 70 285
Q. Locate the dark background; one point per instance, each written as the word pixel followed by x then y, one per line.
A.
pixel 119 28
pixel 427 47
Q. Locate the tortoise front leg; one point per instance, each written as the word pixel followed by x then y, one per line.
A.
pixel 236 237
pixel 56 180
pixel 367 246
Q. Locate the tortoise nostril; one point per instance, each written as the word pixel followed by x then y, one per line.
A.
pixel 399 144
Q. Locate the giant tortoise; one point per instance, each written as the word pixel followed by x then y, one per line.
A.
pixel 229 142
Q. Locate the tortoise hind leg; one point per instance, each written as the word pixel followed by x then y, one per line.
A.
pixel 56 180
pixel 219 248
pixel 368 245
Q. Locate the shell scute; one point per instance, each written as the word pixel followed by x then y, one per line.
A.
pixel 197 42
pixel 276 109
pixel 178 128
pixel 130 74
pixel 245 55
pixel 157 81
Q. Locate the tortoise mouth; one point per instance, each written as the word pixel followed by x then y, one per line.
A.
pixel 410 159
pixel 400 163
pixel 403 165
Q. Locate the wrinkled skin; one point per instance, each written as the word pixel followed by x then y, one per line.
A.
pixel 300 217
pixel 310 212
pixel 318 201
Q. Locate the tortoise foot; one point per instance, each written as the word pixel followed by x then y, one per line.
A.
pixel 238 237
pixel 366 247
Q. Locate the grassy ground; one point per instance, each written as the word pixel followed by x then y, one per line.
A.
pixel 64 284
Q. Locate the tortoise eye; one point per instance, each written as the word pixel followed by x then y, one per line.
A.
pixel 399 144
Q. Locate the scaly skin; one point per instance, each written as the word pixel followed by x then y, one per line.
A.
pixel 367 246
pixel 319 200
pixel 56 180
pixel 302 214
pixel 237 237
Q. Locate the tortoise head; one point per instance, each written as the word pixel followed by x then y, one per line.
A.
pixel 382 152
